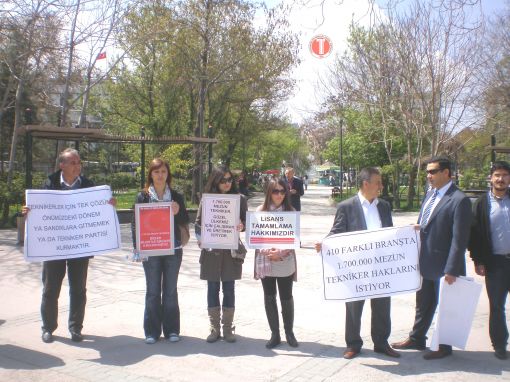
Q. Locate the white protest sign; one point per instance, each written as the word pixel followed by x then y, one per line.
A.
pixel 271 229
pixel 455 312
pixel 369 264
pixel 220 218
pixel 70 224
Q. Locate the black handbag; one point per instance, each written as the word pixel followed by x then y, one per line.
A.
pixel 240 252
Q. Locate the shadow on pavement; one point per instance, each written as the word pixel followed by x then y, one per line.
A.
pixel 478 362
pixel 11 356
pixel 127 350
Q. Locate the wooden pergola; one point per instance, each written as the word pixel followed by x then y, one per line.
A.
pixel 500 149
pixel 96 135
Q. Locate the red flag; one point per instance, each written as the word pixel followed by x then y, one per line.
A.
pixel 101 55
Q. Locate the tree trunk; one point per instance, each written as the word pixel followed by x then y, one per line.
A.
pixel 65 95
pixel 411 193
pixel 198 169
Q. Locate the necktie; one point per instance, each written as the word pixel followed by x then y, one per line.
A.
pixel 428 209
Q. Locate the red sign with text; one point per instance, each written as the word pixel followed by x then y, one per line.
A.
pixel 154 228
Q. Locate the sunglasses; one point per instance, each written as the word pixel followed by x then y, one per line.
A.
pixel 225 180
pixel 277 191
pixel 433 171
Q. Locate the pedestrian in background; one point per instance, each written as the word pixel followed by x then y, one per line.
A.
pixel 295 186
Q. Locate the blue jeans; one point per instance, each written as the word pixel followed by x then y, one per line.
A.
pixel 497 283
pixel 161 273
pixel 213 294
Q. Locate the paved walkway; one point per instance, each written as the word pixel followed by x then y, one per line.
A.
pixel 114 350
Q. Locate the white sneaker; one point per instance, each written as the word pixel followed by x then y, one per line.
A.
pixel 174 337
pixel 150 340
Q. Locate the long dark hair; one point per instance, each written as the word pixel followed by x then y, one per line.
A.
pixel 271 185
pixel 217 174
pixel 156 164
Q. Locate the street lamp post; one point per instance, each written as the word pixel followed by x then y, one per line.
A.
pixel 341 158
pixel 142 157
pixel 209 135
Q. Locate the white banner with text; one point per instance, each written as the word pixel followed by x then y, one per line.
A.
pixel 370 264
pixel 271 229
pixel 70 224
pixel 220 218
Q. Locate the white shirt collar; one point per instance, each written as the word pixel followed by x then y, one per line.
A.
pixel 364 200
pixel 62 181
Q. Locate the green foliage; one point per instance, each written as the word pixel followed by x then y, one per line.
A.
pixel 472 179
pixel 244 67
pixel 180 159
pixel 117 181
pixel 274 147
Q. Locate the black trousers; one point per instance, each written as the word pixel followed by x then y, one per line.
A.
pixel 380 322
pixel 426 303
pixel 52 276
pixel 497 283
pixel 284 286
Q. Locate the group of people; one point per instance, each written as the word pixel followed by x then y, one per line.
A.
pixel 448 225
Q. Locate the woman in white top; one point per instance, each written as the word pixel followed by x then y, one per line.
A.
pixel 277 267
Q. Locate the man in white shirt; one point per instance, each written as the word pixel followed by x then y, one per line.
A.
pixel 365 211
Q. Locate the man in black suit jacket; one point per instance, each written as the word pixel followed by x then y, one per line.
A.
pixel 489 245
pixel 361 212
pixel 444 224
pixel 296 188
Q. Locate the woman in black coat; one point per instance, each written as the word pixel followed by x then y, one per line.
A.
pixel 162 312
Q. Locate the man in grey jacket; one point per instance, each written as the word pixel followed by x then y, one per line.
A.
pixel 365 211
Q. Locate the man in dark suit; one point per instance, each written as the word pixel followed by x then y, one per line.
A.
pixel 296 188
pixel 68 177
pixel 490 250
pixel 365 211
pixel 444 224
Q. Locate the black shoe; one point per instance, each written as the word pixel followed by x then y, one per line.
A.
pixel 47 337
pixel 274 341
pixel 291 340
pixel 76 336
pixel 386 350
pixel 501 354
pixel 438 354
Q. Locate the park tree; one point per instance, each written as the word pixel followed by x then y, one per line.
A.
pixel 200 63
pixel 30 32
pixel 414 72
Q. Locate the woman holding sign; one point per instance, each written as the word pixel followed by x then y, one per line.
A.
pixel 277 267
pixel 221 266
pixel 162 312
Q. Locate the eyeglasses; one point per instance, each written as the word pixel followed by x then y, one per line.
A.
pixel 225 180
pixel 433 171
pixel 277 191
